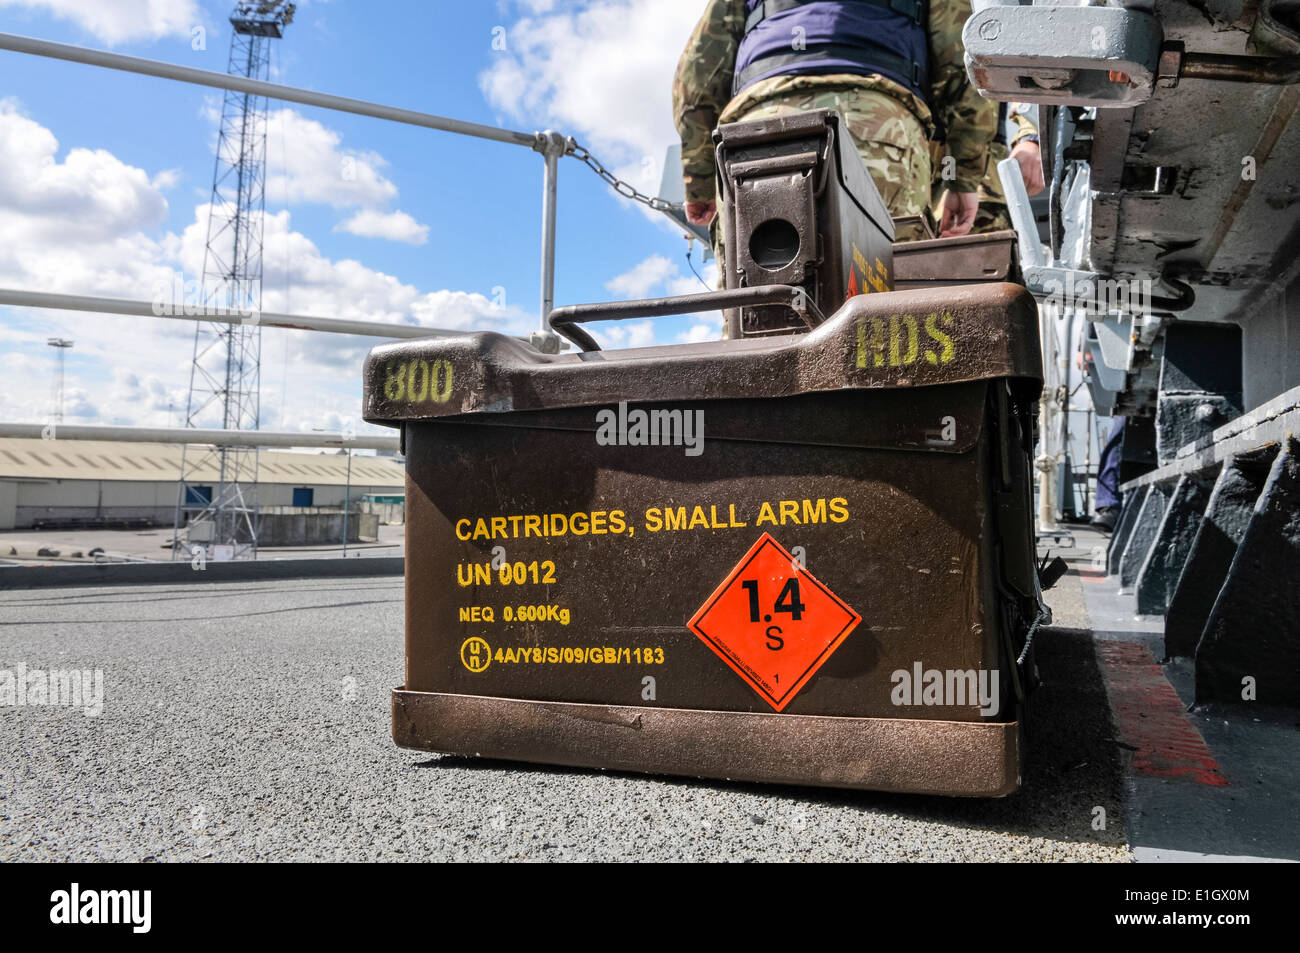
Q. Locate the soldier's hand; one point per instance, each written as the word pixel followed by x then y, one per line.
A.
pixel 701 213
pixel 1026 153
pixel 959 210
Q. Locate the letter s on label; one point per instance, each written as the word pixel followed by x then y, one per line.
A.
pixel 944 340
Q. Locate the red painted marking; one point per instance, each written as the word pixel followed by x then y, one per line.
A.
pixel 773 623
pixel 1150 717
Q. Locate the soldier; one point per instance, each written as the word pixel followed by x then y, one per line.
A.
pixel 893 69
pixel 993 215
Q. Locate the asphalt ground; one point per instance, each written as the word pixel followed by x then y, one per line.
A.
pixel 250 721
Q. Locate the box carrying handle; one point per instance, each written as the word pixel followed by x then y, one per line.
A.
pixel 565 320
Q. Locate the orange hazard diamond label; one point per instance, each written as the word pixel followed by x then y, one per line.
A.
pixel 773 622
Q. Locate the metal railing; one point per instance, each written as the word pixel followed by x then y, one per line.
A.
pixel 199 436
pixel 550 144
pixel 267 319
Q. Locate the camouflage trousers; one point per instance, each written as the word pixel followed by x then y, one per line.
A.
pixel 992 215
pixel 889 137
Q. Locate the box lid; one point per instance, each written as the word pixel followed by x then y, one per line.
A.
pixel 917 338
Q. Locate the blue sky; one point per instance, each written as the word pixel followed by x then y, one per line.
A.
pixel 108 174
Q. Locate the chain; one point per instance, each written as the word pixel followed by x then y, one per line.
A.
pixel 625 189
pixel 1044 615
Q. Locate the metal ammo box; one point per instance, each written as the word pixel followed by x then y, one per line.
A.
pixel 803 555
pixel 799 208
pixel 802 558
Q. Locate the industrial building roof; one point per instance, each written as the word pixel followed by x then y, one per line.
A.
pixel 32 459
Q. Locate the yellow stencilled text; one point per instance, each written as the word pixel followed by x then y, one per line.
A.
pixel 418 381
pixel 897 342
pixel 580 655
pixel 542 525
pixel 776 513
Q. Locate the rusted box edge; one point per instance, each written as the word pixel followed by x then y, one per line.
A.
pixel 891 339
pixel 966 259
pixel 961 759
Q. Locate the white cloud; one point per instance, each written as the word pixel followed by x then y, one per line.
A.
pixel 166 179
pixel 317 170
pixel 538 6
pixel 81 224
pixel 704 331
pixel 395 226
pixel 637 282
pixel 150 395
pixel 603 73
pixel 89 224
pixel 706 280
pixel 90 189
pixel 300 280
pixel 657 273
pixel 621 334
pixel 120 21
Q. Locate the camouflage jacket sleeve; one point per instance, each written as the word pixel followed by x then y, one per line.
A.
pixel 702 89
pixel 1024 127
pixel 970 119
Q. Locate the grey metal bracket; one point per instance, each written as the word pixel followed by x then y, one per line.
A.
pixel 1066 287
pixel 1063 56
pixel 547 342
